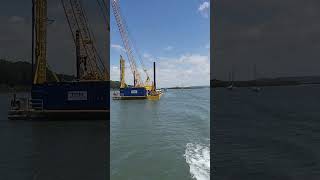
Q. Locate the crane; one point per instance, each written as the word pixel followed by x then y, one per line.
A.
pixel 41 32
pixel 90 65
pixel 128 46
pixel 40 27
pixel 122 73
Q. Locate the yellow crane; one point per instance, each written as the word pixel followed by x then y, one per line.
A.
pixel 122 73
pixel 138 82
pixel 41 34
pixel 90 65
pixel 41 21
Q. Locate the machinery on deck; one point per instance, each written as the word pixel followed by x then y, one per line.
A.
pixel 41 20
pixel 90 65
pixel 141 89
pixel 87 97
pixel 122 73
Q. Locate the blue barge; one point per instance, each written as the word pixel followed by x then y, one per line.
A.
pixel 78 100
pixel 131 93
pixel 86 98
pixel 78 95
pixel 134 91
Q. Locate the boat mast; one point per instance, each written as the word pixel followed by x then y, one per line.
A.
pixel 154 76
pixel 232 75
pixel 32 43
pixel 255 72
pixel 254 75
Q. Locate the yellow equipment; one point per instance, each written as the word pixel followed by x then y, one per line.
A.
pixel 129 47
pixel 41 37
pixel 90 65
pixel 41 20
pixel 122 73
pixel 154 94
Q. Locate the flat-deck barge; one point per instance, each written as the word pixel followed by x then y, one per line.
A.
pixel 64 101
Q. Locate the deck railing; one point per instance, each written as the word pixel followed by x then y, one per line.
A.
pixel 36 104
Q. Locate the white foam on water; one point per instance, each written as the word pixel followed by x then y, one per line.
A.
pixel 198 158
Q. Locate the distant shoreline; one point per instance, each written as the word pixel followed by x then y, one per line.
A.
pixel 290 81
pixel 189 87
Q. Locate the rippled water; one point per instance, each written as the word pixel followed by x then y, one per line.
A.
pixel 166 139
pixel 273 134
pixel 52 149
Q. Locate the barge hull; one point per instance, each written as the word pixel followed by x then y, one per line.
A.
pixel 59 115
pixel 78 100
pixel 79 95
pixel 128 97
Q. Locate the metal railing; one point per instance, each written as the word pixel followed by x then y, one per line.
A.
pixel 36 104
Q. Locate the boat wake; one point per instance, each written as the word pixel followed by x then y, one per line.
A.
pixel 198 158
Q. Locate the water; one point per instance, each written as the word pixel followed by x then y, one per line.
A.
pixel 52 150
pixel 273 134
pixel 166 139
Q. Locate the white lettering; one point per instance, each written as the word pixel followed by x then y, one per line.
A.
pixel 77 95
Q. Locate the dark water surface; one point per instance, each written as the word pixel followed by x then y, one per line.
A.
pixel 273 134
pixel 52 150
pixel 158 140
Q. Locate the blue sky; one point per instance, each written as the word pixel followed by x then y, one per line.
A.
pixel 175 34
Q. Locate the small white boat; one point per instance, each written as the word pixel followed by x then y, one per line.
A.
pixel 256 89
pixel 231 79
pixel 230 87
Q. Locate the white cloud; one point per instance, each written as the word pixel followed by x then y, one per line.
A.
pixel 118 47
pixel 148 58
pixel 16 19
pixel 204 9
pixel 146 55
pixel 207 46
pixel 168 48
pixel 114 73
pixel 205 5
pixel 184 70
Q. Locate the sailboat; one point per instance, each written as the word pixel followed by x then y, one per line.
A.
pixel 231 79
pixel 255 88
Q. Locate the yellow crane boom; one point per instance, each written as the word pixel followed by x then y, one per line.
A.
pixel 91 64
pixel 126 42
pixel 41 20
pixel 41 38
pixel 122 73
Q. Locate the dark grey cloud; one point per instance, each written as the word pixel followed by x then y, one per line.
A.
pixel 15 33
pixel 281 37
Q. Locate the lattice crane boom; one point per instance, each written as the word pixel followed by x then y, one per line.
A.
pixel 126 43
pixel 122 73
pixel 41 41
pixel 92 66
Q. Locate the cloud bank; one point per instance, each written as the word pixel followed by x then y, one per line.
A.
pixel 204 9
pixel 183 70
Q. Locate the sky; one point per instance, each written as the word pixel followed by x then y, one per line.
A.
pixel 15 34
pixel 282 38
pixel 174 34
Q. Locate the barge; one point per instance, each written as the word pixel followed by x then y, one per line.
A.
pixel 136 92
pixel 87 97
pixel 77 100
